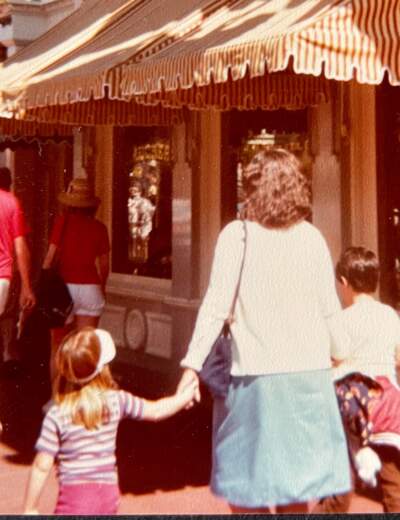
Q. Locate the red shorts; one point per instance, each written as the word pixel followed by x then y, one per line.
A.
pixel 88 499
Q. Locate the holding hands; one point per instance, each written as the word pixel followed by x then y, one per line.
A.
pixel 185 396
pixel 190 385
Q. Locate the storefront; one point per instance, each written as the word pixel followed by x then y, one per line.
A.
pixel 168 116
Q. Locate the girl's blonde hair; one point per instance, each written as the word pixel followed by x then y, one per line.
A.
pixel 77 359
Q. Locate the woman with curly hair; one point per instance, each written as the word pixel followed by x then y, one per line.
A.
pixel 278 439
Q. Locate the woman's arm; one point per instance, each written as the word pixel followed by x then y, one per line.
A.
pixel 104 269
pixel 324 277
pixel 49 258
pixel 341 344
pixel 168 406
pixel 217 302
pixel 27 297
pixel 41 467
pixel 189 377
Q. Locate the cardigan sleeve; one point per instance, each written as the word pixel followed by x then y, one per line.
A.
pixel 325 278
pixel 341 344
pixel 218 299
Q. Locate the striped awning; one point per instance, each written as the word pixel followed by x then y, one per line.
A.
pixel 66 37
pixel 15 128
pixel 155 50
pixel 87 70
pixel 342 40
pixel 105 112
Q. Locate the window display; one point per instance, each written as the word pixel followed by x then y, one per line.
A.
pixel 146 217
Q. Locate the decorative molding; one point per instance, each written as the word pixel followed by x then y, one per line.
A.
pixel 182 303
pixel 159 341
pixel 153 289
pixel 113 320
pixel 135 329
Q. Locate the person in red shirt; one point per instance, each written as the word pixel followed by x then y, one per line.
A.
pixel 81 245
pixel 12 239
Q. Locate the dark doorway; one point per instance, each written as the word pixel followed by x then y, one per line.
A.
pixel 239 130
pixel 388 183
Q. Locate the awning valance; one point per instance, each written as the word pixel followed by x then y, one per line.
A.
pixel 155 50
pixel 105 112
pixel 16 128
pixel 269 92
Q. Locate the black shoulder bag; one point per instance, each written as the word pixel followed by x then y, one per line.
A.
pixel 216 369
pixel 54 301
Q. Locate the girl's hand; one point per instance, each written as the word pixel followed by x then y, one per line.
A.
pixel 188 393
pixel 31 512
pixel 190 376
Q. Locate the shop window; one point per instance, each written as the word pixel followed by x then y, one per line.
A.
pixel 142 202
pixel 248 132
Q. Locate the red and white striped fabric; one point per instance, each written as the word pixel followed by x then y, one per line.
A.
pixel 341 39
pixel 120 49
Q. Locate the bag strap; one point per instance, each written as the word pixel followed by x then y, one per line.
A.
pixel 235 296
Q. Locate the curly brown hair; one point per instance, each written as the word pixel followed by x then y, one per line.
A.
pixel 278 194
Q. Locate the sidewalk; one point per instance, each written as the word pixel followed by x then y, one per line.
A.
pixel 163 467
pixel 187 500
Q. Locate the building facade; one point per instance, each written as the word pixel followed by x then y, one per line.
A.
pixel 170 177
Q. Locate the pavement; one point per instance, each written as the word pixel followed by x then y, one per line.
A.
pixel 188 499
pixel 163 468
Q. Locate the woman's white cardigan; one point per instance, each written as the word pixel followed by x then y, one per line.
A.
pixel 287 292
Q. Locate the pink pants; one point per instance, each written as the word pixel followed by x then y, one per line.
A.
pixel 88 499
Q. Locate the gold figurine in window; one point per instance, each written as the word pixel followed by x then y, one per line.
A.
pixel 140 218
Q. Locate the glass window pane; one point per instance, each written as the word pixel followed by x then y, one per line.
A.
pixel 142 210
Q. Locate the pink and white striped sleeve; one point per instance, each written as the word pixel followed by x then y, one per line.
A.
pixel 130 405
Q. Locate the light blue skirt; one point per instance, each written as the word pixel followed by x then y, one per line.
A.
pixel 278 439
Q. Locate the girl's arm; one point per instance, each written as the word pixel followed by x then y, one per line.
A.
pixel 41 467
pixel 168 406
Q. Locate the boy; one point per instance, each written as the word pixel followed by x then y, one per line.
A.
pixel 365 340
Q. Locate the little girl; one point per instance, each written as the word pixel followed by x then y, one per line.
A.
pixel 79 431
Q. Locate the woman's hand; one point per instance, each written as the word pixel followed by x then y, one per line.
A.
pixel 190 377
pixel 49 259
pixel 27 299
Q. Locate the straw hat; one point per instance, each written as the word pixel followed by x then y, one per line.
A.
pixel 79 195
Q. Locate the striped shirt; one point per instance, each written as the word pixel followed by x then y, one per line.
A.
pixel 82 454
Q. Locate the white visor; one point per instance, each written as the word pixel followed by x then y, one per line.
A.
pixel 107 354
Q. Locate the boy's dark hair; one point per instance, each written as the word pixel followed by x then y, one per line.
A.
pixel 5 178
pixel 360 267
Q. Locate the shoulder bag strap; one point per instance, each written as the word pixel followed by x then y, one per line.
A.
pixel 235 297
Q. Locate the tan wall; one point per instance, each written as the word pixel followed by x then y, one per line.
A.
pixel 359 152
pixel 344 172
pixel 104 173
pixel 326 178
pixel 210 192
